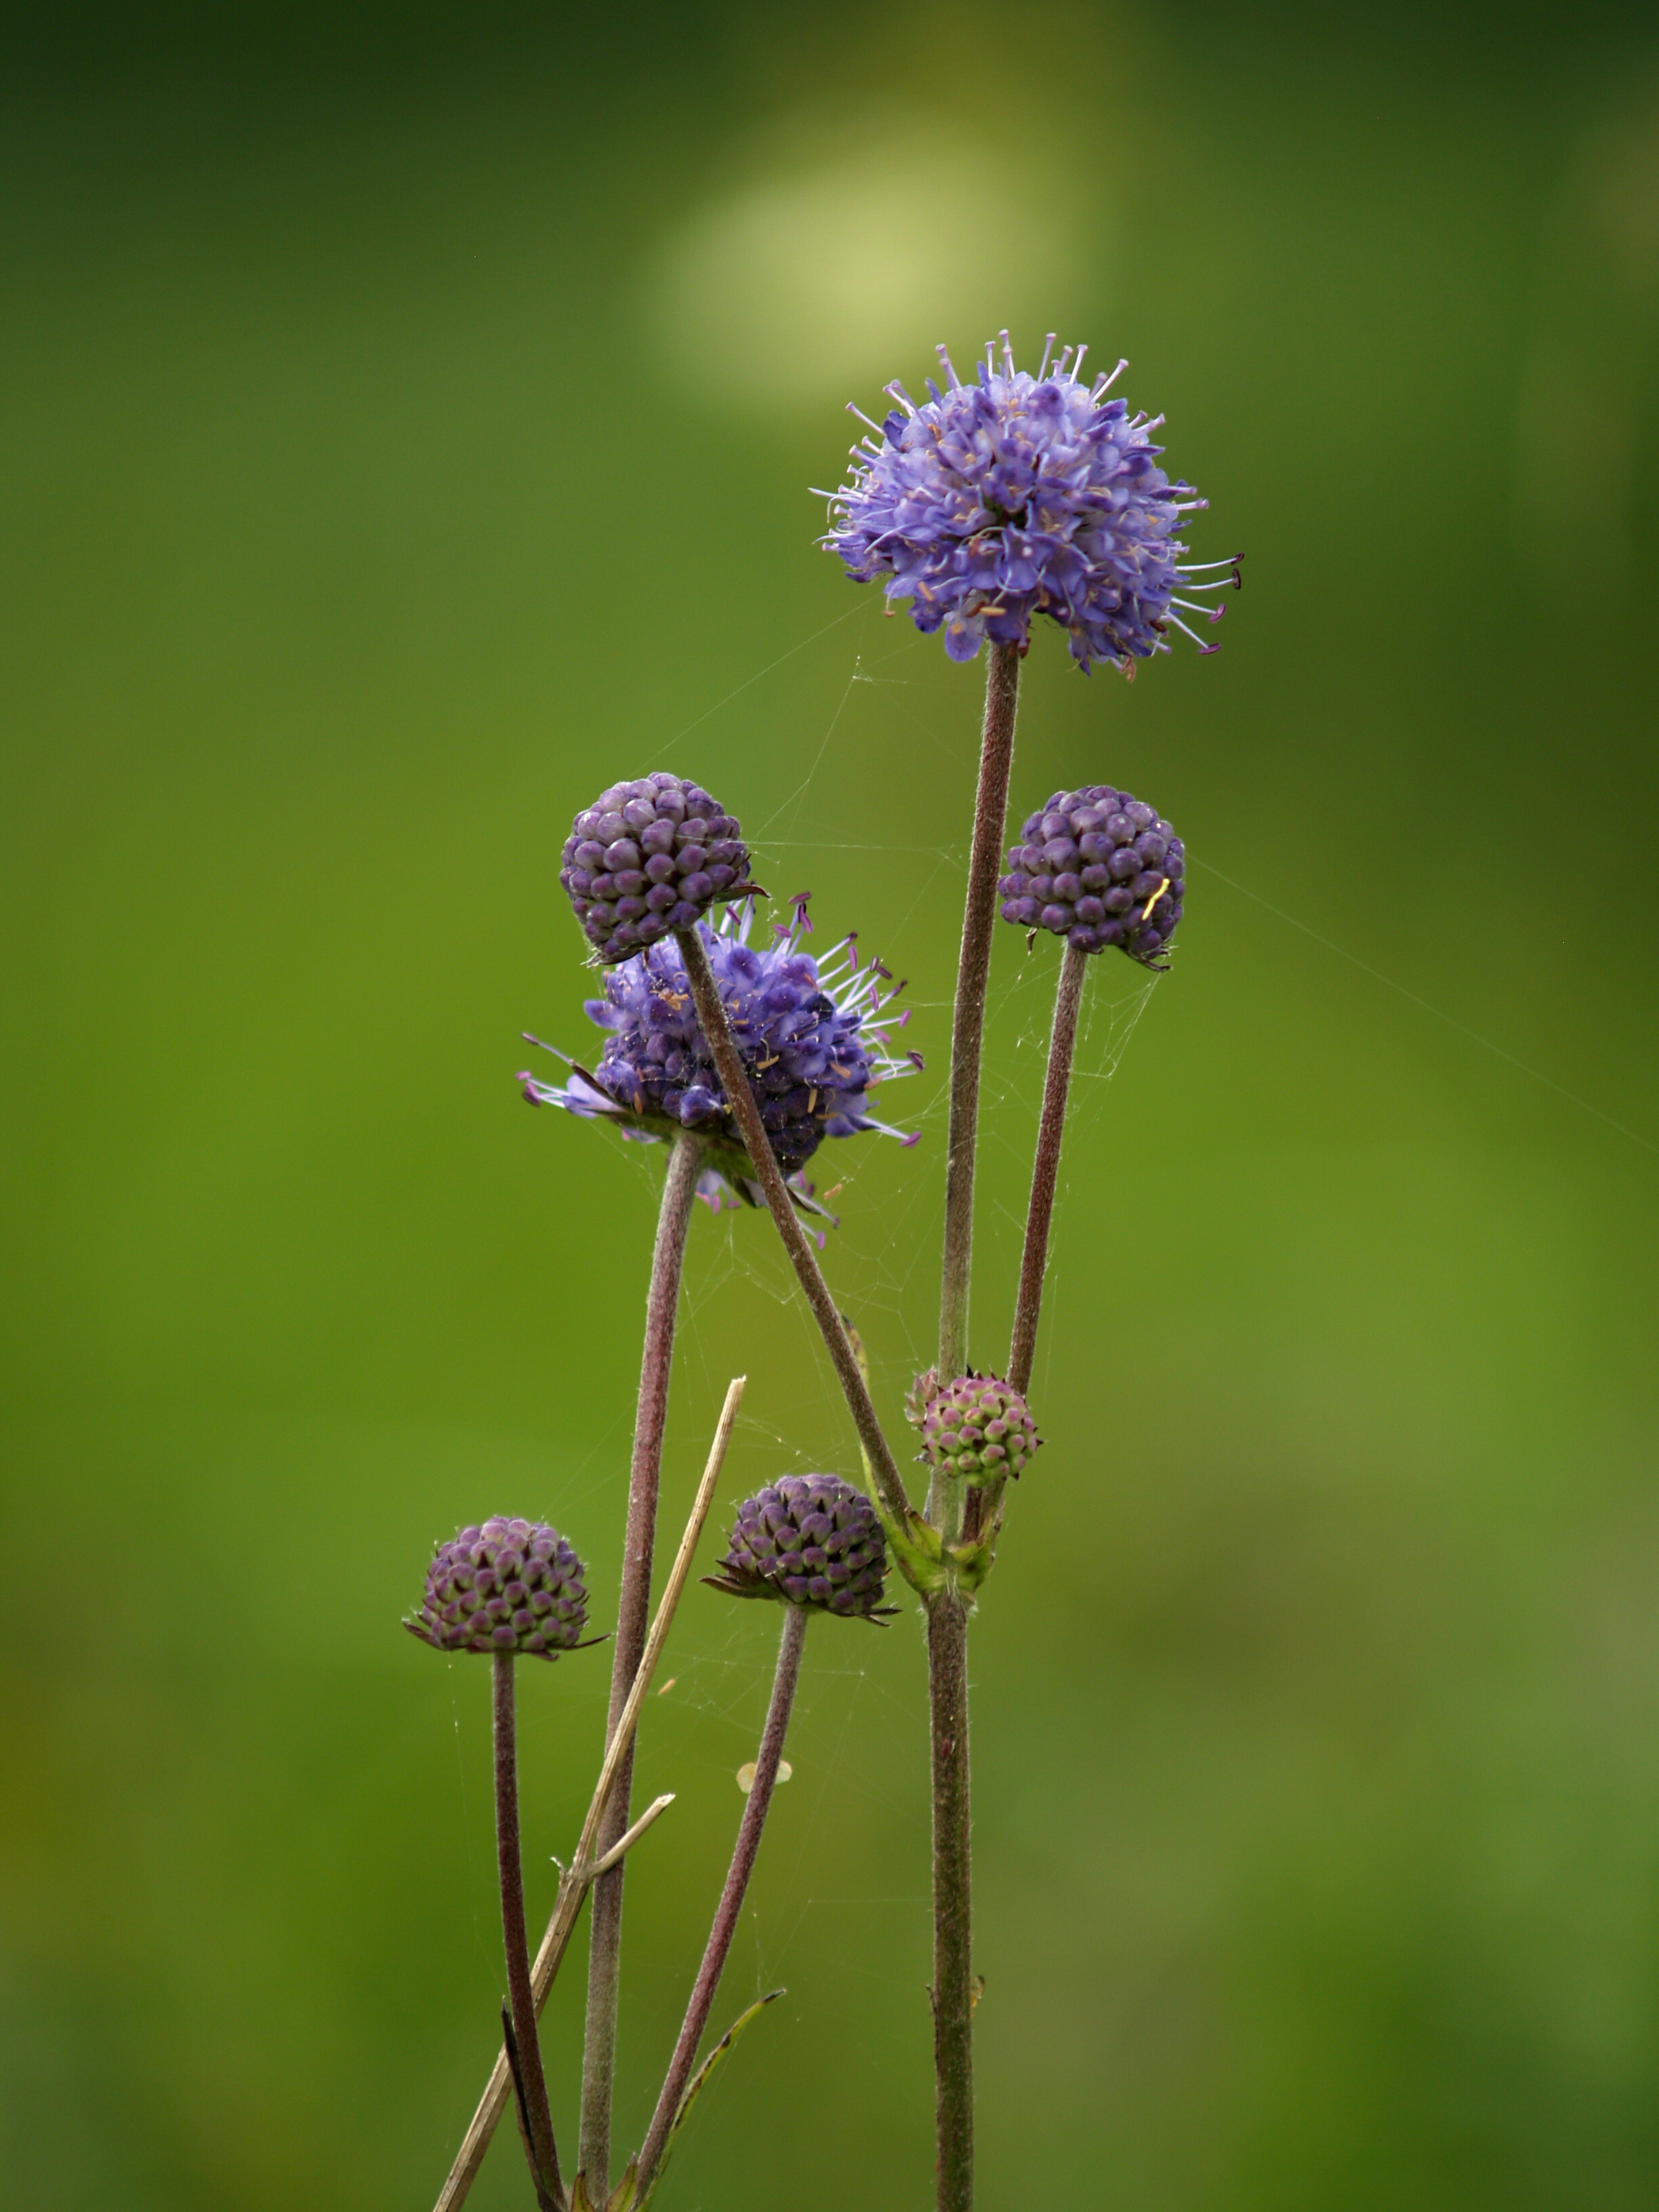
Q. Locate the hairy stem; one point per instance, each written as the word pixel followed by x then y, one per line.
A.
pixel 605 1928
pixel 1045 1172
pixel 734 1082
pixel 539 2120
pixel 736 1883
pixel 967 1021
pixel 953 1987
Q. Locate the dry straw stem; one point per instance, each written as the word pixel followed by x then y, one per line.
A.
pixel 573 1884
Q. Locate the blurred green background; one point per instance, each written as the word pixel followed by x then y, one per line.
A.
pixel 407 419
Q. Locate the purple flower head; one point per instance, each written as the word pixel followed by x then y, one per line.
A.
pixel 1018 496
pixel 814 1034
pixel 649 857
pixel 507 1586
pixel 809 1540
pixel 1098 868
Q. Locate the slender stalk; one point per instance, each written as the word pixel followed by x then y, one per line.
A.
pixel 574 1885
pixel 544 2201
pixel 737 1882
pixel 953 1988
pixel 542 2154
pixel 947 1609
pixel 605 1927
pixel 967 1021
pixel 1045 1171
pixel 734 1081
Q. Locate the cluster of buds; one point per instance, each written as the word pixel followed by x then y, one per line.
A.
pixel 809 1540
pixel 507 1585
pixel 648 857
pixel 1098 868
pixel 974 1427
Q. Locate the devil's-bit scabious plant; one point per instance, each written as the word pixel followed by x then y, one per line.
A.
pixel 642 868
pixel 1017 495
pixel 816 1037
pixel 506 1586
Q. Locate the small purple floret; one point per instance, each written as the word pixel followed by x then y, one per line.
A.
pixel 1098 868
pixel 809 1540
pixel 1019 495
pixel 507 1585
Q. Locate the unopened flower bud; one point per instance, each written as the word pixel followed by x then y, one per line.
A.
pixel 507 1586
pixel 975 1427
pixel 1098 868
pixel 648 858
pixel 810 1540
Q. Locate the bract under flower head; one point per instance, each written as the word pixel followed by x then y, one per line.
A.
pixel 1019 495
pixel 816 1035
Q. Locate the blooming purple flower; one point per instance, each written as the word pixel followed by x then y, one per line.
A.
pixel 1019 495
pixel 814 1034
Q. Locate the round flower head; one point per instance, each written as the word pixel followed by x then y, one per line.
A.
pixel 507 1586
pixel 1098 868
pixel 648 858
pixel 814 1034
pixel 810 1540
pixel 974 1427
pixel 1018 496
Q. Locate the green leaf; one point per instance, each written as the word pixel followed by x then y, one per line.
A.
pixel 699 2081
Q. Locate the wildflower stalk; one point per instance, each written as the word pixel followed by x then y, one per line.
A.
pixel 947 1608
pixel 740 1099
pixel 952 1990
pixel 539 2147
pixel 579 1875
pixel 1045 1171
pixel 743 1855
pixel 967 1021
pixel 604 1929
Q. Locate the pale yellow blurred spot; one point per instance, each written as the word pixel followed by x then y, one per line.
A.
pixel 746 1774
pixel 821 282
